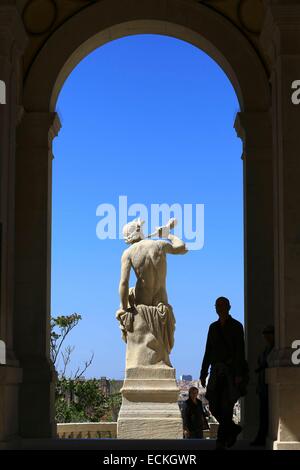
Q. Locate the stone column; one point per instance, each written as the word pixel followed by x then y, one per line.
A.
pixel 254 128
pixel 281 40
pixel 33 263
pixel 12 43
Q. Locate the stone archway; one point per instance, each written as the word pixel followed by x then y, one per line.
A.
pixel 73 40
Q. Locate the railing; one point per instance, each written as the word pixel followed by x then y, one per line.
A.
pixel 107 430
pixel 212 432
pixel 87 430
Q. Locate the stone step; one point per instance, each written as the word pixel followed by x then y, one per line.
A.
pixel 124 444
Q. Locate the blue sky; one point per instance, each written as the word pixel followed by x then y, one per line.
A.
pixel 150 117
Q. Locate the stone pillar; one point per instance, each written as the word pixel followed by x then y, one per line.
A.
pixel 12 43
pixel 33 263
pixel 281 40
pixel 254 128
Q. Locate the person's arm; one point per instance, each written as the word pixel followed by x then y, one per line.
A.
pixel 206 359
pixel 124 281
pixel 204 422
pixel 176 247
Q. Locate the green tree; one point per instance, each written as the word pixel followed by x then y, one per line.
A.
pixel 79 401
pixel 76 399
pixel 61 327
pixel 114 405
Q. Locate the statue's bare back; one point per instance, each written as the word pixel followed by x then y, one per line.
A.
pixel 148 260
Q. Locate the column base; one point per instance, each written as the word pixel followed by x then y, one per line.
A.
pixel 37 397
pixel 10 378
pixel 282 445
pixel 284 411
pixel 150 405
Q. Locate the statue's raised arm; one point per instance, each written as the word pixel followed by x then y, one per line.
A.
pixel 176 247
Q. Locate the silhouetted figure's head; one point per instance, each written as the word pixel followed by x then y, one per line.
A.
pixel 222 307
pixel 268 334
pixel 193 393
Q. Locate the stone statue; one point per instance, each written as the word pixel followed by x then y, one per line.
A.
pixel 146 318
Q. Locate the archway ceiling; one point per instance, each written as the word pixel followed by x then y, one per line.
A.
pixel 42 17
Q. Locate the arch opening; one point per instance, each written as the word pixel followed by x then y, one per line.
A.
pixel 162 134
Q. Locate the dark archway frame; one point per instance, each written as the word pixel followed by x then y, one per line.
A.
pixel 70 43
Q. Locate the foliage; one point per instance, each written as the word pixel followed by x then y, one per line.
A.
pixel 61 327
pixel 76 399
pixel 79 401
pixel 64 324
pixel 114 404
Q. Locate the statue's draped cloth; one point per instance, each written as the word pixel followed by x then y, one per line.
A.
pixel 148 332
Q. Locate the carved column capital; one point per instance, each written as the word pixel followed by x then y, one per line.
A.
pixel 281 30
pixel 40 128
pixel 255 130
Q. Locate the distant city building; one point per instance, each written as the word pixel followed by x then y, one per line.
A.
pixel 105 386
pixel 188 378
pixel 110 386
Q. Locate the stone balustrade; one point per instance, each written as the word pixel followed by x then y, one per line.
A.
pixel 87 430
pixel 106 430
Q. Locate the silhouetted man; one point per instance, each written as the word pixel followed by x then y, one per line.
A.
pixel 225 354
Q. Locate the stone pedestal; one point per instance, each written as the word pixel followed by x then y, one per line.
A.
pixel 150 405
